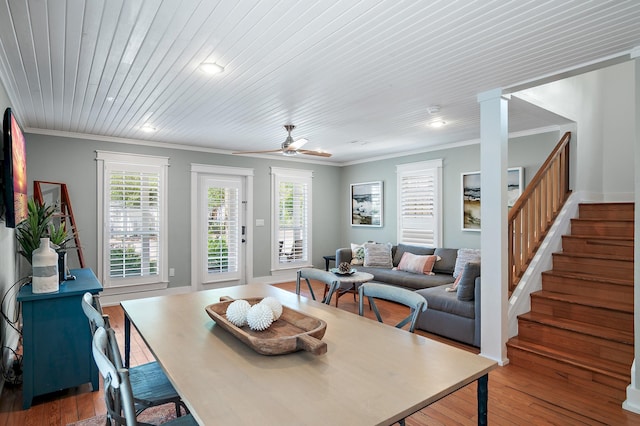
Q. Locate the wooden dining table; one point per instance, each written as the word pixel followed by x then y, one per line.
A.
pixel 371 374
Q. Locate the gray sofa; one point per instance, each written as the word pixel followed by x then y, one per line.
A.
pixel 455 315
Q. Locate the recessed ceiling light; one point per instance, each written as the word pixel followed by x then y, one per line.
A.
pixel 438 123
pixel 148 128
pixel 110 99
pixel 211 68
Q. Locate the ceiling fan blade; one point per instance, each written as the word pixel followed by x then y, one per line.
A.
pixel 257 152
pixel 297 144
pixel 317 153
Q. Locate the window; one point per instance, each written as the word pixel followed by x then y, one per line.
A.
pixel 419 203
pixel 291 217
pixel 132 211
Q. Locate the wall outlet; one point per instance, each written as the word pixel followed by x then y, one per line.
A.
pixel 172 272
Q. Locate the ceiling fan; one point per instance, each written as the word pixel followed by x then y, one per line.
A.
pixel 290 147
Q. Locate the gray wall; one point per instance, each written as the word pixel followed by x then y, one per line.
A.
pixel 526 151
pixel 72 161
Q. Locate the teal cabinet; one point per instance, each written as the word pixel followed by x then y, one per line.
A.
pixel 56 338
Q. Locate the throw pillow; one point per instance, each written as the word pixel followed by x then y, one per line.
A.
pixel 417 264
pixel 378 255
pixel 467 284
pixel 465 256
pixel 403 248
pixel 357 254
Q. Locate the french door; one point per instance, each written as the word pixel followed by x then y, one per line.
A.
pixel 220 233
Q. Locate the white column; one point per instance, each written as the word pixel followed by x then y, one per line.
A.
pixel 493 214
pixel 632 403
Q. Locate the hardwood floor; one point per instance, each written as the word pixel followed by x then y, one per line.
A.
pixel 517 396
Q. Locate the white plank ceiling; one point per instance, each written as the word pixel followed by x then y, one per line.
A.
pixel 355 77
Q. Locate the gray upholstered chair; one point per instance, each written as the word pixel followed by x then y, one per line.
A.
pixel 118 394
pixel 409 298
pixel 328 278
pixel 149 383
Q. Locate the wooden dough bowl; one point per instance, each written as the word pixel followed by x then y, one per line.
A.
pixel 292 332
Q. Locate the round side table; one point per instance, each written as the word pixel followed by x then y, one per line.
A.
pixel 348 284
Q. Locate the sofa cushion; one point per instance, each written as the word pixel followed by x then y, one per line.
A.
pixel 417 264
pixel 447 262
pixel 465 256
pixel 467 284
pixel 378 255
pixel 406 248
pixel 439 299
pixel 407 279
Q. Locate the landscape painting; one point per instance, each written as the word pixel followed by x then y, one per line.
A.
pixel 471 196
pixel 366 204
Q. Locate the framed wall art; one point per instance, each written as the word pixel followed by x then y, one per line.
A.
pixel 366 204
pixel 471 200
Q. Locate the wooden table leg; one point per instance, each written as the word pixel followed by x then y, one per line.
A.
pixel 483 397
pixel 127 340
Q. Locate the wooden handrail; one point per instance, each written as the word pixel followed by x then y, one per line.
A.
pixel 535 210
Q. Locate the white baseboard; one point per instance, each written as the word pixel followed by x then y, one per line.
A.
pixel 632 403
pixel 115 299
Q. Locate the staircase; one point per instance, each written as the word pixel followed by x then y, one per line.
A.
pixel 580 327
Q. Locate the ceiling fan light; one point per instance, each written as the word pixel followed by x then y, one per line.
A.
pixel 211 68
pixel 289 152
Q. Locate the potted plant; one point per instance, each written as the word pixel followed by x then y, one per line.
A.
pixel 34 227
pixel 38 225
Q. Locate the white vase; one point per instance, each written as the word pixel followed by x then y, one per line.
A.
pixel 45 268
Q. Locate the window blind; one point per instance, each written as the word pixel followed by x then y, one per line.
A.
pixel 134 223
pixel 222 229
pixel 291 212
pixel 418 203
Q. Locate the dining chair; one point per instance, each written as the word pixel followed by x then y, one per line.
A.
pixel 118 393
pixel 149 383
pixel 329 279
pixel 409 298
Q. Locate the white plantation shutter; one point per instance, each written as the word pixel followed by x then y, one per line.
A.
pixel 419 205
pixel 134 223
pixel 291 217
pixel 223 240
pixel 132 211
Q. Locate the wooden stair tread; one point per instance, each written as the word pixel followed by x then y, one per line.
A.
pixel 595 256
pixel 598 219
pixel 600 238
pixel 589 277
pixel 599 365
pixel 608 204
pixel 598 331
pixel 586 301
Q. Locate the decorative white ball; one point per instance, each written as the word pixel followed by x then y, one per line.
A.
pixel 275 306
pixel 237 312
pixel 259 317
